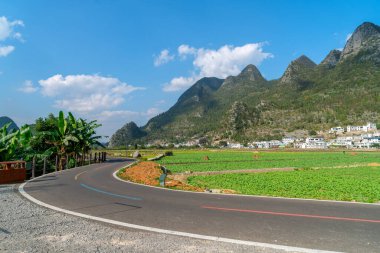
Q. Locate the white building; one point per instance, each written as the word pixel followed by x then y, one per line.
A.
pixel 372 140
pixel 275 144
pixel 336 130
pixel 234 145
pixel 261 144
pixel 343 142
pixel 362 144
pixel 369 127
pixel 314 139
pixel 314 143
pixel 288 140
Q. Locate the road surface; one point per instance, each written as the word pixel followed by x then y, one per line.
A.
pixel 322 225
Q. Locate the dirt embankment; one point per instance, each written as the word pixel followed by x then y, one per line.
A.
pixel 181 184
pixel 144 173
pixel 148 173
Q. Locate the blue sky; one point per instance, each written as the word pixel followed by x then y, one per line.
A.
pixel 118 61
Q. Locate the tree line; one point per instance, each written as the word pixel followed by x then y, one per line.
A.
pixel 61 140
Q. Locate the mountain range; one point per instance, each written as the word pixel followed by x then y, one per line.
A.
pixel 5 120
pixel 343 89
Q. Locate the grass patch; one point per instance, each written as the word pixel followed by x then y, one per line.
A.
pixel 361 184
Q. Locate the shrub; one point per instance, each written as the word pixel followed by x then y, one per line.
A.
pixel 168 153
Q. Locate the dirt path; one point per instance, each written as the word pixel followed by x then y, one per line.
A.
pixel 182 177
pixel 226 161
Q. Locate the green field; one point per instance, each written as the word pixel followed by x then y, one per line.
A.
pixel 183 161
pixel 360 184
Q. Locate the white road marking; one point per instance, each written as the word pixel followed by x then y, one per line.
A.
pixel 77 175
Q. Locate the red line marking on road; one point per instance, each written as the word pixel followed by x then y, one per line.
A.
pixel 291 214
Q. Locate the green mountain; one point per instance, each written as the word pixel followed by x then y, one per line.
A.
pixel 126 135
pixel 5 120
pixel 343 89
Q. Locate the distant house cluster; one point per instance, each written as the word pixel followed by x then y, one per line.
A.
pixel 350 137
pixel 358 137
pixel 366 128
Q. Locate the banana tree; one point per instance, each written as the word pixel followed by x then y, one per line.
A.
pixel 62 138
pixel 86 134
pixel 14 144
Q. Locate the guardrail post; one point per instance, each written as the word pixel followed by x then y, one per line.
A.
pixel 44 169
pixel 33 167
pixel 56 163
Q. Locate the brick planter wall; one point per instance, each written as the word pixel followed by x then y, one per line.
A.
pixel 12 176
pixel 12 172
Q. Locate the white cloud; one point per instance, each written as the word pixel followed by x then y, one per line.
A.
pixel 229 60
pixel 348 36
pixel 126 114
pixel 151 112
pixel 163 58
pixel 86 93
pixel 185 50
pixel 7 28
pixel 28 87
pixel 118 114
pixel 179 83
pixel 5 50
pixel 161 102
pixel 225 61
pixel 7 32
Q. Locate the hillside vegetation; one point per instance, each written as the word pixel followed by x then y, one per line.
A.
pixel 343 89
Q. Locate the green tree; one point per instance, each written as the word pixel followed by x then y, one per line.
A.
pixel 14 144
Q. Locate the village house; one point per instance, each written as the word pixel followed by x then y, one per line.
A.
pixel 314 143
pixel 361 145
pixel 342 142
pixel 288 140
pixel 234 145
pixel 336 130
pixel 368 127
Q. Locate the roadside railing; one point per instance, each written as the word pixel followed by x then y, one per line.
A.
pixel 12 172
pixel 19 171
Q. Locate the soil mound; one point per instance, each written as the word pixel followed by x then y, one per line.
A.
pixel 144 173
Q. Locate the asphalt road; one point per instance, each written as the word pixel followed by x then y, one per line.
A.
pixel 319 225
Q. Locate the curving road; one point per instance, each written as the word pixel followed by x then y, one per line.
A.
pixel 278 223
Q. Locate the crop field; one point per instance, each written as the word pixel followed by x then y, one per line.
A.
pixel 209 160
pixel 360 184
